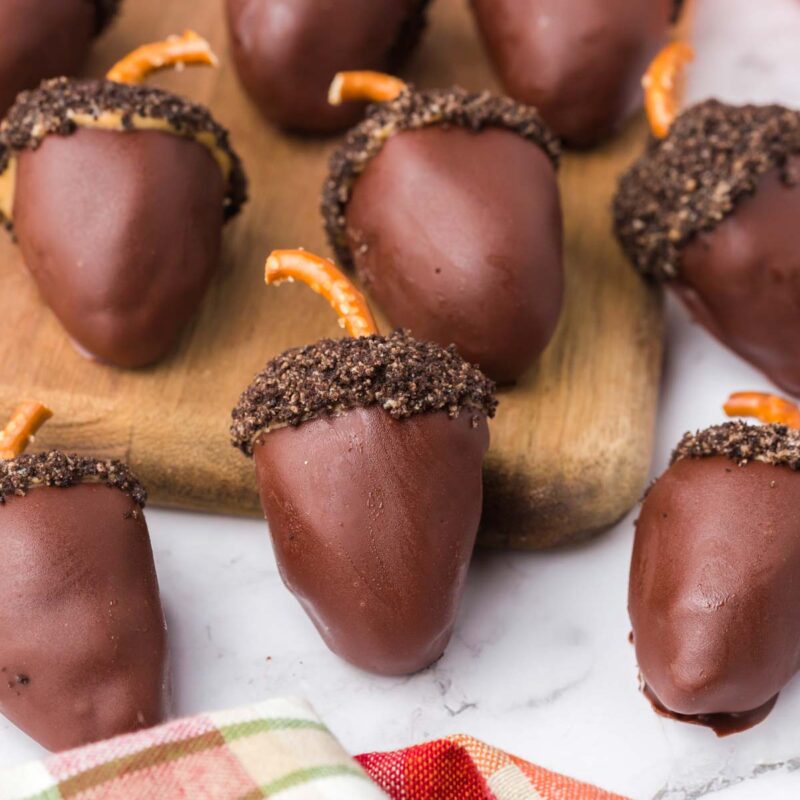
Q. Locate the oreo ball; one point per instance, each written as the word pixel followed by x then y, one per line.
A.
pixel 453 223
pixel 368 456
pixel 83 647
pixel 580 62
pixel 287 52
pixel 709 211
pixel 714 593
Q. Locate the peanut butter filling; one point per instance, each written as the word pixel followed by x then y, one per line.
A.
pixel 8 186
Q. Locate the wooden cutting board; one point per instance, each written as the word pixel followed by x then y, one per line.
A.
pixel 571 443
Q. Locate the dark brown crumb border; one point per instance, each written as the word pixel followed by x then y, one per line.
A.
pixel 106 11
pixel 45 111
pixel 24 473
pixel 687 183
pixel 771 444
pixel 413 110
pixel 400 374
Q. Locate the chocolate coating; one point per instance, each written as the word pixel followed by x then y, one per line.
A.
pixel 121 232
pixel 83 651
pixel 457 236
pixel 373 522
pixel 715 589
pixel 40 39
pixel 287 52
pixel 580 62
pixel 741 280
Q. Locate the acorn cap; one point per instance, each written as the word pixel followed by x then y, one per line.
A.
pixel 413 110
pixel 106 11
pixel 688 182
pixel 778 445
pixel 19 475
pixel 50 110
pixel 403 376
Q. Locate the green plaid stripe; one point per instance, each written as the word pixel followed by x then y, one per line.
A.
pixel 303 776
pixel 244 730
pixel 50 794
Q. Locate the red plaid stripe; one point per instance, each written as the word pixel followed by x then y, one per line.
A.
pixel 462 768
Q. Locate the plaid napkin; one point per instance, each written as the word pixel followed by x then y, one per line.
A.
pixel 462 768
pixel 280 749
pixel 276 749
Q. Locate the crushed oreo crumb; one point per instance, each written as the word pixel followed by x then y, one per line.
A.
pixel 21 474
pixel 413 110
pixel 403 376
pixel 690 181
pixel 771 444
pixel 47 111
pixel 106 11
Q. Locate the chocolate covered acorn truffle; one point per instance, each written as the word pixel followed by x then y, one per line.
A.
pixel 714 593
pixel 83 650
pixel 287 52
pixel 578 61
pixel 42 38
pixel 117 194
pixel 368 454
pixel 447 205
pixel 711 211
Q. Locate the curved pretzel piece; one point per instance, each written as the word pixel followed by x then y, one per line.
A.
pixel 327 280
pixel 765 407
pixel 24 422
pixel 663 86
pixel 374 87
pixel 175 51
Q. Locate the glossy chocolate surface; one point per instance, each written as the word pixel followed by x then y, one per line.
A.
pixel 41 39
pixel 580 62
pixel 457 236
pixel 83 652
pixel 373 523
pixel 741 280
pixel 287 52
pixel 121 232
pixel 715 589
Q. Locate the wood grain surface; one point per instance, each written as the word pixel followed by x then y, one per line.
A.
pixel 571 443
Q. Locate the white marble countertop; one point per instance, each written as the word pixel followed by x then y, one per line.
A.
pixel 540 663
